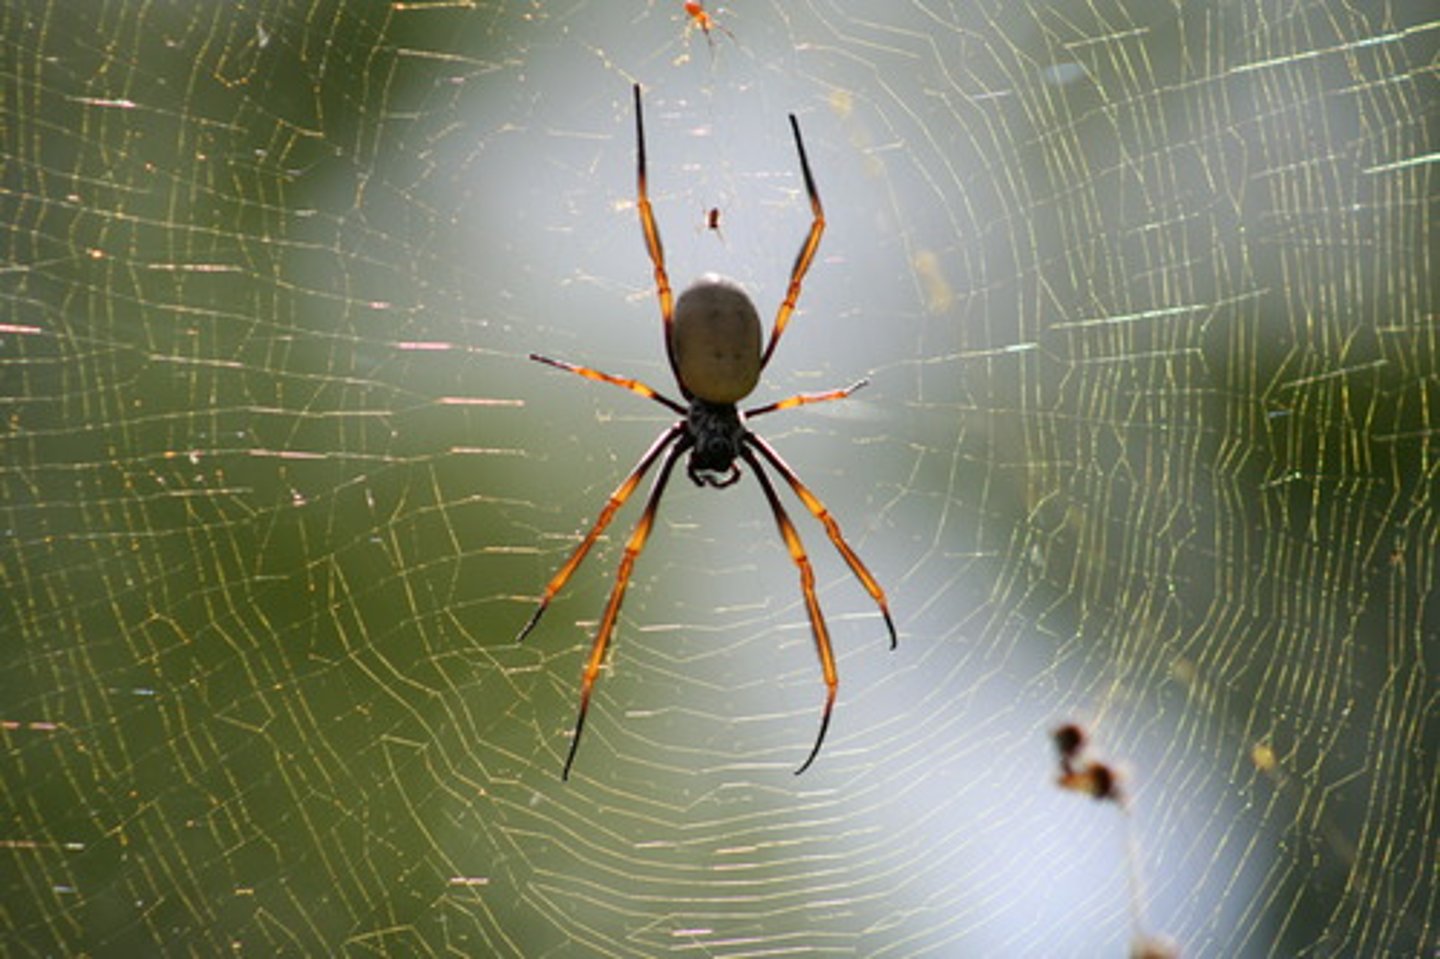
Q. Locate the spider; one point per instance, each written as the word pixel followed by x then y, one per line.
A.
pixel 702 18
pixel 712 342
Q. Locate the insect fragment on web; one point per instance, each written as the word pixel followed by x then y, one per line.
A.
pixel 1089 777
pixel 1100 781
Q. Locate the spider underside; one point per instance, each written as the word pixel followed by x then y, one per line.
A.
pixel 712 341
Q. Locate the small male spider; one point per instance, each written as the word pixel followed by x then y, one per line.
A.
pixel 712 340
pixel 702 18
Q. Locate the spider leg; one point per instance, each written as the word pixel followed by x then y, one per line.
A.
pixel 805 399
pixel 617 595
pixel 807 249
pixel 832 528
pixel 634 386
pixel 617 500
pixel 812 605
pixel 652 239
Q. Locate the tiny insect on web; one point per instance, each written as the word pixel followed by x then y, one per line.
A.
pixel 712 342
pixel 712 222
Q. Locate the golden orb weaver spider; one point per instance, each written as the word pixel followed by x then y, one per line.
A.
pixel 712 340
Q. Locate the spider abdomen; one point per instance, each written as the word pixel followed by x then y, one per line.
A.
pixel 715 340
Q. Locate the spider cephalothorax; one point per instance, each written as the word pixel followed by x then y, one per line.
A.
pixel 717 432
pixel 712 339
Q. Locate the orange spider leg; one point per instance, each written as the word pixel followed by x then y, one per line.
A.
pixel 807 249
pixel 617 595
pixel 652 241
pixel 617 500
pixel 624 382
pixel 812 605
pixel 805 399
pixel 832 529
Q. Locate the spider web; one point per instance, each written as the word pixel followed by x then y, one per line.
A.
pixel 1146 296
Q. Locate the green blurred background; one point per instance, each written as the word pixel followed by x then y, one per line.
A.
pixel 1146 295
